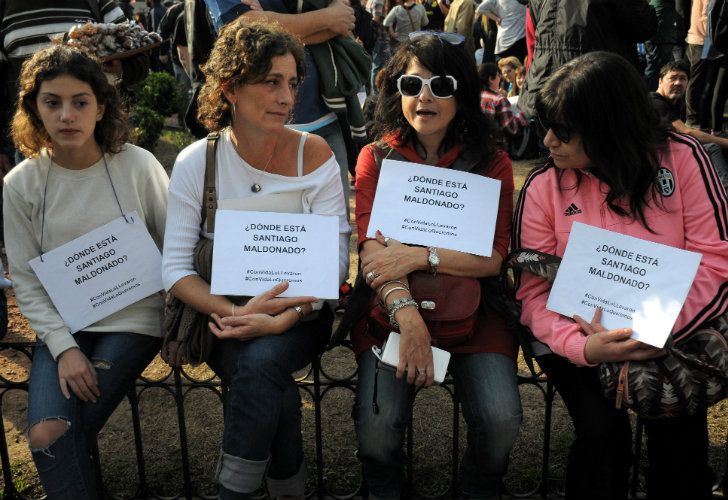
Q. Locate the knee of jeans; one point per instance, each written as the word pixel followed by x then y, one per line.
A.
pixel 261 366
pixel 46 432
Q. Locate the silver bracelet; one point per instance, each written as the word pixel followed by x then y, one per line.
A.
pixel 393 289
pixel 390 282
pixel 399 304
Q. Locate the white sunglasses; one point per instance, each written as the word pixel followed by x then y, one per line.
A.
pixel 441 87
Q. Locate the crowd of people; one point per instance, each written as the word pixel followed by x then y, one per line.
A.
pixel 280 128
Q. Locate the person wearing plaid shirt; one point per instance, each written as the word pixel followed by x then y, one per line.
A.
pixel 495 104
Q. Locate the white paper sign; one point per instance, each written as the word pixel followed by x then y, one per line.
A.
pixel 101 272
pixel 433 206
pixel 638 284
pixel 255 250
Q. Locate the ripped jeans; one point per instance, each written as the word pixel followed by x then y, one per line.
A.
pixel 65 467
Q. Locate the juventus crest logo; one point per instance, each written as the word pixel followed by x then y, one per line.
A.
pixel 665 182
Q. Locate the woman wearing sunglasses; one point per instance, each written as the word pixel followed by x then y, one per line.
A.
pixel 429 112
pixel 614 165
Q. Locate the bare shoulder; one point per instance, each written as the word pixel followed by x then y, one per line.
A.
pixel 316 152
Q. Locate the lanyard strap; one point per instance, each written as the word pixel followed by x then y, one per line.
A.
pixel 129 220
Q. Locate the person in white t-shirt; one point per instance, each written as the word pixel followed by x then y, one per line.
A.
pixel 78 176
pixel 250 87
pixel 510 17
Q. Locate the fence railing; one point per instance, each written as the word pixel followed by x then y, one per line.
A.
pixel 322 384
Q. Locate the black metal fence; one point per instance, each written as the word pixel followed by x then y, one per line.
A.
pixel 321 385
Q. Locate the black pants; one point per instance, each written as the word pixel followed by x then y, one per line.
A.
pixel 715 94
pixel 518 49
pixel 696 84
pixel 600 457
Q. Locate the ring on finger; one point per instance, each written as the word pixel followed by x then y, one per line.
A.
pixel 371 276
pixel 386 240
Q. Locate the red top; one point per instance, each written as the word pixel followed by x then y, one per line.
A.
pixel 530 38
pixel 491 334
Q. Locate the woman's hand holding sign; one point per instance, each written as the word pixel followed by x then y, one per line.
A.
pixel 270 303
pixel 604 345
pixel 264 314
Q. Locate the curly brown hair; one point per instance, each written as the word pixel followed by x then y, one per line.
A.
pixel 243 53
pixel 29 134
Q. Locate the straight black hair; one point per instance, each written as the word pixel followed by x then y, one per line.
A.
pixel 603 98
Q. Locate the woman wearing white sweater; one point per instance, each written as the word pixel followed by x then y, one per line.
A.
pixel 80 175
pixel 250 87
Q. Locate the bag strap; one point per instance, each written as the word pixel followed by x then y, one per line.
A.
pixel 465 162
pixel 209 195
pixel 538 263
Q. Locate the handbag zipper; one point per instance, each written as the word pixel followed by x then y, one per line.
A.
pixel 621 383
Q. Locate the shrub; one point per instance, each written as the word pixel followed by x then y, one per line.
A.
pixel 160 92
pixel 149 125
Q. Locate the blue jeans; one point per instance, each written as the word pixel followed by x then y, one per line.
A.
pixel 262 434
pixel 65 467
pixel 487 386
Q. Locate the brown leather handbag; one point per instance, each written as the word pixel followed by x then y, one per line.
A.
pixel 448 304
pixel 182 323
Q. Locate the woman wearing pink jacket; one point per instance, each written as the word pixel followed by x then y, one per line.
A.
pixel 615 166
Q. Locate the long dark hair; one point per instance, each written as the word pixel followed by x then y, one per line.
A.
pixel 603 98
pixel 29 134
pixel 469 126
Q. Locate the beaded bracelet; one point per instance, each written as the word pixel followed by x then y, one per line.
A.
pixel 399 304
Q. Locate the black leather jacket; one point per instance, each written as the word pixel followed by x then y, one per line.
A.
pixel 565 29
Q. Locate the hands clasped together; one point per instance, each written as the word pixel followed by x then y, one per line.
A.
pixel 264 314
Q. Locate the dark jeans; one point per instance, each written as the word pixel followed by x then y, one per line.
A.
pixel 262 435
pixel 600 457
pixel 488 390
pixel 696 84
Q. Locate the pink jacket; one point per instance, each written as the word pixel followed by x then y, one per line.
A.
pixel 694 217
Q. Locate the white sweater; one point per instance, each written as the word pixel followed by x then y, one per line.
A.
pixel 76 202
pixel 321 193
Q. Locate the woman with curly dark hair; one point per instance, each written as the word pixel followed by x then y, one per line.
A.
pixel 251 80
pixel 429 112
pixel 80 174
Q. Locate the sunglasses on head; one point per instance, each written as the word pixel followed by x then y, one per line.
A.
pixel 562 132
pixel 451 38
pixel 441 87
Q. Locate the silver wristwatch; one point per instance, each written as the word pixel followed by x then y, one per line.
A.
pixel 433 260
